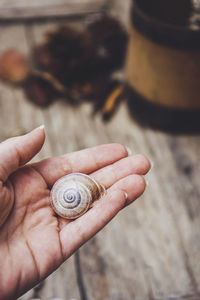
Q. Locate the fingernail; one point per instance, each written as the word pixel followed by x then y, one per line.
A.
pixel 126 195
pixel 152 164
pixel 129 151
pixel 41 127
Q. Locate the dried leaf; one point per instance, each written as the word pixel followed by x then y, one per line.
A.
pixel 13 66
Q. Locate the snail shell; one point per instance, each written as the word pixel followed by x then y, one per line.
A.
pixel 73 194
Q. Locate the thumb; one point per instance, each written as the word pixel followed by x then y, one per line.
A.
pixel 17 151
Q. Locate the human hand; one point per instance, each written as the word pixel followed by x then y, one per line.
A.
pixel 34 241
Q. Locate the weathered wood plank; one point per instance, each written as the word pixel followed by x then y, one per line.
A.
pixel 151 250
pixel 145 253
pixel 19 9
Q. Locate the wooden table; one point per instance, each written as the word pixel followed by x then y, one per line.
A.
pixel 151 250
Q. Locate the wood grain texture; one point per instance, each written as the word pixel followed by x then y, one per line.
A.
pixel 151 250
pixel 21 9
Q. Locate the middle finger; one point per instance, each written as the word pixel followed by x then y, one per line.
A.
pixel 136 164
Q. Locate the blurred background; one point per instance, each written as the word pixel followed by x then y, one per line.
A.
pixel 96 72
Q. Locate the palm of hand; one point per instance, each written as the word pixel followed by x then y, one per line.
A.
pixel 34 241
pixel 30 238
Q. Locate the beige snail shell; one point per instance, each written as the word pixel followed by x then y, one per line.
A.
pixel 73 194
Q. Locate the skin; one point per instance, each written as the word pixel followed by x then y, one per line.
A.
pixel 34 241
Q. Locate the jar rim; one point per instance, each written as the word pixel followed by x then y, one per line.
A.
pixel 162 32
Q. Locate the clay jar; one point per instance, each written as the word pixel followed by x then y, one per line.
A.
pixel 163 64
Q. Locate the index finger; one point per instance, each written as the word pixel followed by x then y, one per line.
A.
pixel 84 161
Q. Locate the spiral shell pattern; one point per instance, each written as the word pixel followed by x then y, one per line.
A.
pixel 73 194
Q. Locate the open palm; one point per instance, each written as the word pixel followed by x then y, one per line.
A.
pixel 34 241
